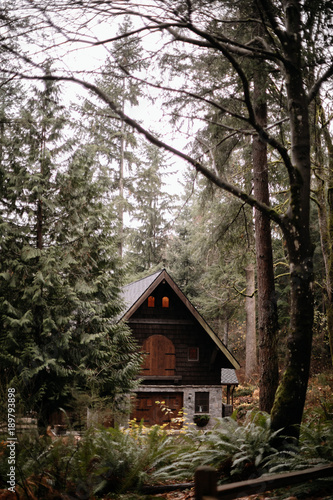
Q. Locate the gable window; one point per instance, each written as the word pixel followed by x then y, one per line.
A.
pixel 193 353
pixel 165 302
pixel 151 301
pixel 201 402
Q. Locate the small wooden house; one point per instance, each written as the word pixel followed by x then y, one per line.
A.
pixel 186 365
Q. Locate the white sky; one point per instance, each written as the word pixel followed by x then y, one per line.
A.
pixel 149 114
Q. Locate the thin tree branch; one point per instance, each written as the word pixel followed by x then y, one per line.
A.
pixel 316 87
pixel 268 8
pixel 214 178
pixel 247 98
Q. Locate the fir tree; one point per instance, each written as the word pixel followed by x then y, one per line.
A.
pixel 113 141
pixel 60 274
pixel 152 203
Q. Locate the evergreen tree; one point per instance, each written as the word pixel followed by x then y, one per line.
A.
pixel 181 258
pixel 113 141
pixel 152 204
pixel 60 276
pixel 209 252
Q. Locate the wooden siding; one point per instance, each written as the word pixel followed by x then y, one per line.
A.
pixel 177 324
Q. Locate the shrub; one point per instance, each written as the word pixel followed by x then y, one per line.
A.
pixel 119 460
pixel 201 420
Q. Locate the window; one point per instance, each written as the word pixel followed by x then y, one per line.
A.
pixel 193 353
pixel 165 302
pixel 151 301
pixel 201 402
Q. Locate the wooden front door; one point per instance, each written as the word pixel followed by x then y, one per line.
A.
pixel 160 356
pixel 148 410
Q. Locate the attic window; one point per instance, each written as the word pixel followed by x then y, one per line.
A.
pixel 151 301
pixel 193 353
pixel 165 302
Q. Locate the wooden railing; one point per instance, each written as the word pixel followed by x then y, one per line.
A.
pixel 206 483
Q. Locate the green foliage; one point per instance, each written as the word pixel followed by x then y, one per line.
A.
pixel 148 238
pixel 201 420
pixel 239 451
pixel 113 144
pixel 207 255
pixel 117 460
pixel 103 460
pixel 60 275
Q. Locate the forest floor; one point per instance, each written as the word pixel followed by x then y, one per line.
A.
pixel 246 398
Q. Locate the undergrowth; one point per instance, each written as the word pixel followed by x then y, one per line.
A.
pixel 115 460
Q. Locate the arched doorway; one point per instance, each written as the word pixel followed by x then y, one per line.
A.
pixel 160 356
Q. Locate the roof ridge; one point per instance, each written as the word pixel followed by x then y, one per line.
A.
pixel 146 277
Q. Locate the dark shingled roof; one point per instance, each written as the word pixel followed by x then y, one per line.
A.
pixel 228 376
pixel 132 292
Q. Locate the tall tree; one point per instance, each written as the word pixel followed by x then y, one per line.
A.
pixel 113 141
pixel 151 205
pixel 59 278
pixel 268 325
pixel 251 330
pixel 323 156
pixel 209 251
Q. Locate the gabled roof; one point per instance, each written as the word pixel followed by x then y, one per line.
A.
pixel 136 293
pixel 131 293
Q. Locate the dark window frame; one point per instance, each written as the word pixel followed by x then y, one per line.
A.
pixel 201 402
pixel 190 357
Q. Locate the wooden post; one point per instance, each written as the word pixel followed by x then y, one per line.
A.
pixel 228 394
pixel 205 480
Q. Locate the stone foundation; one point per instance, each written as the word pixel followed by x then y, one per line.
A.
pixel 215 399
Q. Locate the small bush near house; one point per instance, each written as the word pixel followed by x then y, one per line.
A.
pixel 201 420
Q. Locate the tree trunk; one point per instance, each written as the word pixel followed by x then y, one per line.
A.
pixel 121 184
pixel 267 306
pixel 326 225
pixel 39 230
pixel 251 340
pixel 290 397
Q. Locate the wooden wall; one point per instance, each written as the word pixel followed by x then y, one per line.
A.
pixel 178 325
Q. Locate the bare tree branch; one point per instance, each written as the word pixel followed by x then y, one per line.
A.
pixel 214 178
pixel 316 87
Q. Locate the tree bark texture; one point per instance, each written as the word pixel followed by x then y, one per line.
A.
pixel 290 397
pixel 325 211
pixel 251 338
pixel 267 306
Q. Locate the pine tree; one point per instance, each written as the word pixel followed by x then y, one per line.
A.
pixel 148 238
pixel 114 142
pixel 60 276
